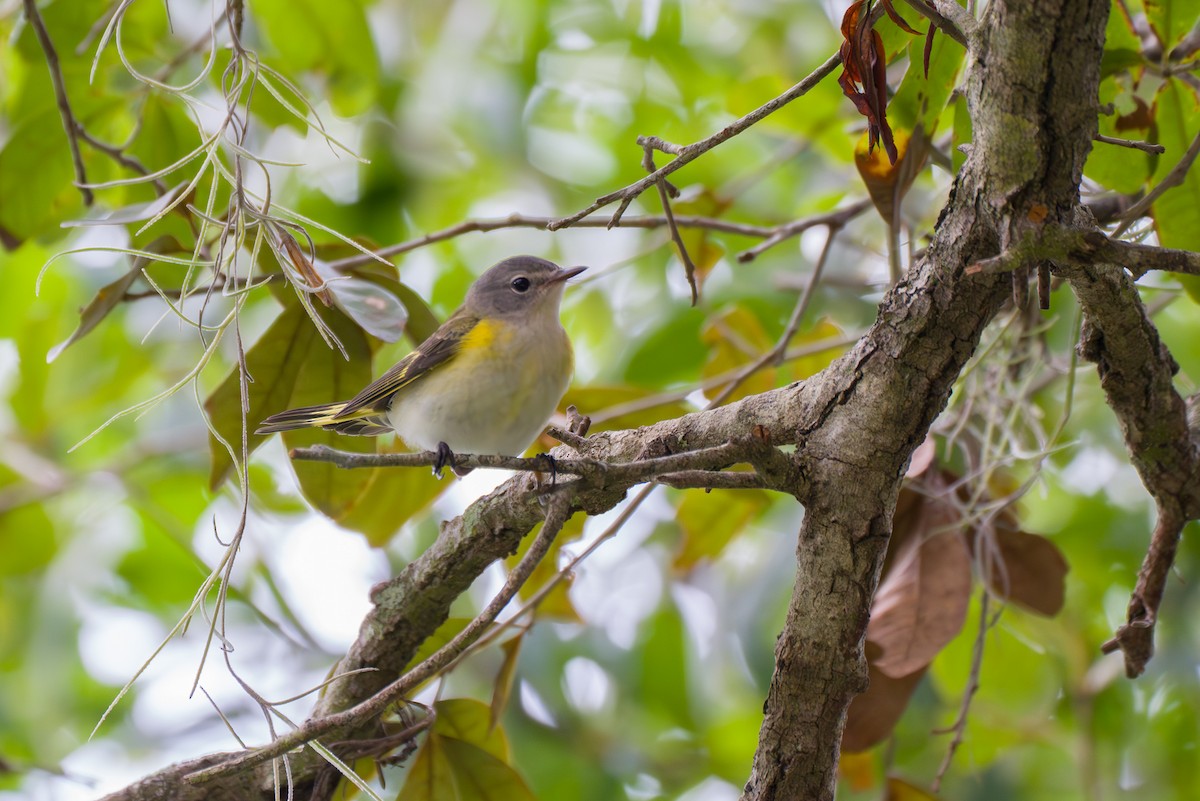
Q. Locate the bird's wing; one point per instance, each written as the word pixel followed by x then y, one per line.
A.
pixel 441 346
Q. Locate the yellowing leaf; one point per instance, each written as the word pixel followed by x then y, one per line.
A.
pixel 470 721
pixel 557 603
pixel 734 339
pixel 858 769
pixel 805 366
pixel 710 520
pixel 900 790
pixel 887 183
pixel 705 252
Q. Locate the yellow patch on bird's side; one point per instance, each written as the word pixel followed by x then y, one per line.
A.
pixel 483 337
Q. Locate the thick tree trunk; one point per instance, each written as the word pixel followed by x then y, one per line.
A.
pixel 1034 72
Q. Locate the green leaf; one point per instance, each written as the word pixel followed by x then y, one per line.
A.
pixel 1171 19
pixel 27 536
pixel 430 778
pixel 1122 48
pixel 463 759
pixel 672 352
pixel 481 776
pixel 1115 167
pixel 422 322
pixel 962 133
pixel 442 635
pixel 274 363
pixel 920 100
pixel 470 721
pixel 167 134
pixel 662 680
pixel 325 376
pixel 390 498
pixel 35 166
pixel 331 38
pixel 1177 212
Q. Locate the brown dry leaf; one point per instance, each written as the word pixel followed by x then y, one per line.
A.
pixel 874 714
pixel 304 266
pixel 922 603
pixel 1031 571
pixel 865 63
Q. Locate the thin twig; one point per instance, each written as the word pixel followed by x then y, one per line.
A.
pixel 960 724
pixel 486 225
pixel 70 124
pixel 1135 637
pixel 950 27
pixel 776 354
pixel 665 192
pixel 1173 178
pixel 836 218
pixel 1136 144
pixel 689 153
pixel 592 471
pixel 556 514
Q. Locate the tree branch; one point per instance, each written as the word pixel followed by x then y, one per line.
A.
pixel 593 473
pixel 1137 375
pixel 1069 245
pixel 688 153
pixel 70 124
pixel 776 233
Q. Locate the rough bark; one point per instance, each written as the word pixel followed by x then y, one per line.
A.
pixel 1031 90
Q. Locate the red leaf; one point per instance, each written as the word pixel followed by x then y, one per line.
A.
pixel 864 63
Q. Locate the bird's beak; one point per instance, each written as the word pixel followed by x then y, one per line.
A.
pixel 567 274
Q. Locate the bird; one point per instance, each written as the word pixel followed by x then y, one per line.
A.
pixel 485 382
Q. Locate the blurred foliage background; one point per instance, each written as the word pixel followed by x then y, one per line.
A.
pixel 645 679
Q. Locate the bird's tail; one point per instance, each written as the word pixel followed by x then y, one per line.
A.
pixel 304 417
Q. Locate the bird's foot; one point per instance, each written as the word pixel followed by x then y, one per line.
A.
pixel 445 458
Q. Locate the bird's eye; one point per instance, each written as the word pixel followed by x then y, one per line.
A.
pixel 520 284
